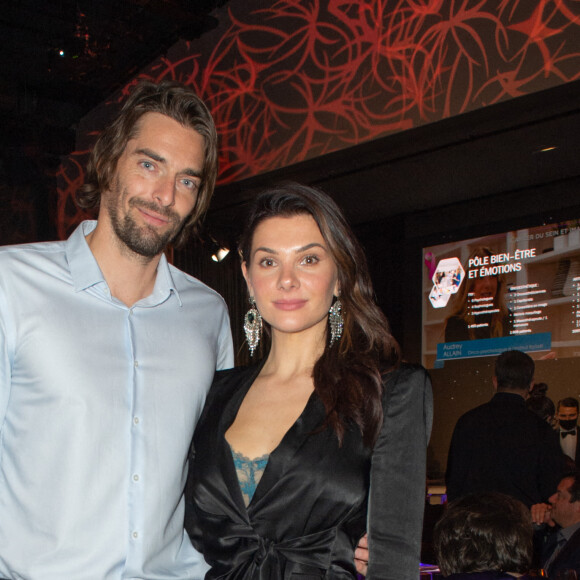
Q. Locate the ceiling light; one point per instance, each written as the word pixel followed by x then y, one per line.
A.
pixel 220 254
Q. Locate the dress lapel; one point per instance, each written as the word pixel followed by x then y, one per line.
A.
pixel 281 458
pixel 230 410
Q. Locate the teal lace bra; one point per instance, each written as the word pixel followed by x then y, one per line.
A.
pixel 249 472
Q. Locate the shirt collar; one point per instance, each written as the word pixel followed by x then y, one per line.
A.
pixel 86 273
pixel 568 532
pixel 164 286
pixel 84 269
pixel 513 397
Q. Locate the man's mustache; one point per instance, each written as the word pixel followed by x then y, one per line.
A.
pixel 163 211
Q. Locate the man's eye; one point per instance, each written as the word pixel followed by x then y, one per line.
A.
pixel 190 184
pixel 147 165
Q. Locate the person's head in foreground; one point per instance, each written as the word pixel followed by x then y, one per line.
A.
pixel 484 532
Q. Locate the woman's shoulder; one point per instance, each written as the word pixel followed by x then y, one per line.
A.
pixel 407 392
pixel 406 376
pixel 234 376
pixel 226 383
pixel 225 375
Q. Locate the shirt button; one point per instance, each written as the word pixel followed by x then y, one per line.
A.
pixel 136 363
pixel 135 477
pixel 135 535
pixel 136 420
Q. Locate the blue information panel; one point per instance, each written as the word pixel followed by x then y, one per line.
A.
pixel 492 346
pixel 513 290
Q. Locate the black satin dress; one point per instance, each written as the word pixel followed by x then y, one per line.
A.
pixel 310 508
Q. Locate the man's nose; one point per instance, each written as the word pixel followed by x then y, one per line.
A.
pixel 165 191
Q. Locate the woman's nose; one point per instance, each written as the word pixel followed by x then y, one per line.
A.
pixel 288 278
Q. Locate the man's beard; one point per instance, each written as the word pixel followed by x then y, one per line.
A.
pixel 144 240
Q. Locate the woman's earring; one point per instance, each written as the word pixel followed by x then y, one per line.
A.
pixel 253 326
pixel 336 321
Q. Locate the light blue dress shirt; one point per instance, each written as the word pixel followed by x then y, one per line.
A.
pixel 98 403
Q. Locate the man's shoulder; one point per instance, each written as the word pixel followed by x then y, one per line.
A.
pixel 569 557
pixel 22 251
pixel 35 255
pixel 576 537
pixel 477 412
pixel 186 283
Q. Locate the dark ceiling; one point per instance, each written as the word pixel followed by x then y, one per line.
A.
pixel 60 58
pixel 501 162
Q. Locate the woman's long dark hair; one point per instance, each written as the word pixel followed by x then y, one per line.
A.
pixel 347 376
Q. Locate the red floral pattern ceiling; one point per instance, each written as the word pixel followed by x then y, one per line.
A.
pixel 300 78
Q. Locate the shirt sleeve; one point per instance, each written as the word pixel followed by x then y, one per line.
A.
pixel 225 355
pixel 398 477
pixel 5 364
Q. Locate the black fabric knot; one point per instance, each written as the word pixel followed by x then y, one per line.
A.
pixel 565 433
pixel 309 555
pixel 265 548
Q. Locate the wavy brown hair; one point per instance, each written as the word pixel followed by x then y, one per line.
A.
pixel 482 532
pixel 173 100
pixel 347 376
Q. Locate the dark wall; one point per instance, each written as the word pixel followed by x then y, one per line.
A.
pixel 478 174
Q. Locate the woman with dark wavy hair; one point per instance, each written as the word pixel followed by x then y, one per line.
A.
pixel 323 439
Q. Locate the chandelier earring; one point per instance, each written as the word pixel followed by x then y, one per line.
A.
pixel 336 321
pixel 253 326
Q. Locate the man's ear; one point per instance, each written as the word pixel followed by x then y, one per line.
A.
pixel 494 381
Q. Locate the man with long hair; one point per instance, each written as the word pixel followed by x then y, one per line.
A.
pixel 106 355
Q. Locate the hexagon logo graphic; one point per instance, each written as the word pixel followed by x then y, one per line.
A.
pixel 447 279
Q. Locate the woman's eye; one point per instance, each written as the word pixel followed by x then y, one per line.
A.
pixel 310 260
pixel 266 262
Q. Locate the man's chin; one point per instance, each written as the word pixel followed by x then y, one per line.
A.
pixel 147 242
pixel 150 248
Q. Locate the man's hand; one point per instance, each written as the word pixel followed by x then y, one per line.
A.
pixel 361 556
pixel 541 514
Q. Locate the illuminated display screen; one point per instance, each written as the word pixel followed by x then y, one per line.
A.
pixel 516 290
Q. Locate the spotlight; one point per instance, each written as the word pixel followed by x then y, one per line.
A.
pixel 220 254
